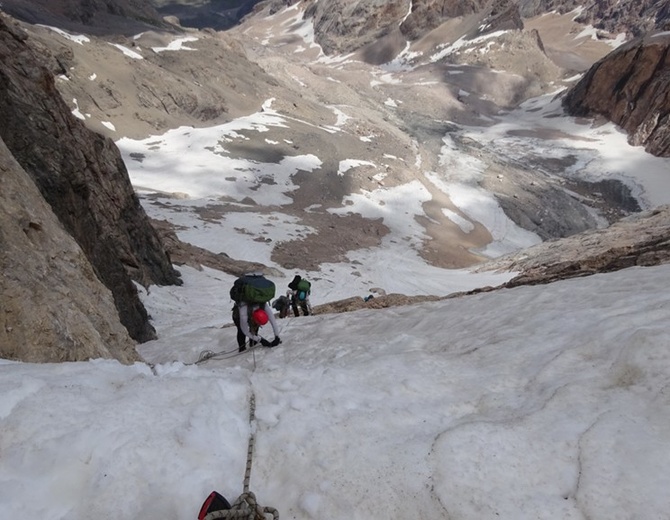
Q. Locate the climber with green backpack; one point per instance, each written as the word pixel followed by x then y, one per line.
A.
pixel 252 294
pixel 301 290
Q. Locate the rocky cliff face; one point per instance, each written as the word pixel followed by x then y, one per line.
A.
pixel 631 87
pixel 346 25
pixel 52 305
pixel 634 18
pixel 426 15
pixel 82 176
pixel 342 26
pixel 92 16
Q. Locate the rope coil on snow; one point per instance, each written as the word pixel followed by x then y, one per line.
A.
pixel 204 356
pixel 208 354
pixel 246 505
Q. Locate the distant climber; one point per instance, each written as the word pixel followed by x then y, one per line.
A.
pixel 283 304
pixel 301 289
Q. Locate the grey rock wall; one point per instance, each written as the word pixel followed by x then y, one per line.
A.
pixel 83 178
pixel 52 305
pixel 630 87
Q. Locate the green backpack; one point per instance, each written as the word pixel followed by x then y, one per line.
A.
pixel 303 289
pixel 252 288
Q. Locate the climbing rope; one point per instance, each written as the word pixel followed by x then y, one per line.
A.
pixel 246 505
pixel 252 441
pixel 208 354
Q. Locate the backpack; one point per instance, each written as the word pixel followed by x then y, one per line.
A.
pixel 215 502
pixel 252 288
pixel 280 303
pixel 304 286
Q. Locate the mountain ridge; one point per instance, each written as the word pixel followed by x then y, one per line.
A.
pixel 334 106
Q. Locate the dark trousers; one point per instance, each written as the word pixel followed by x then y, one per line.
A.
pixel 298 304
pixel 241 337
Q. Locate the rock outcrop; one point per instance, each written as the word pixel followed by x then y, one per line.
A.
pixel 426 15
pixel 630 87
pixel 614 16
pixel 342 26
pixel 634 18
pixel 642 239
pixel 52 305
pixel 82 176
pixel 377 302
pixel 183 253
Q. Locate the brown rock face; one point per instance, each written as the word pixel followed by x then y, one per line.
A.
pixel 342 26
pixel 82 176
pixel 95 16
pixel 630 87
pixel 428 14
pixel 642 239
pixel 635 18
pixel 52 306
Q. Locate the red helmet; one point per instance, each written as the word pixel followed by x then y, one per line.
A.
pixel 259 316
